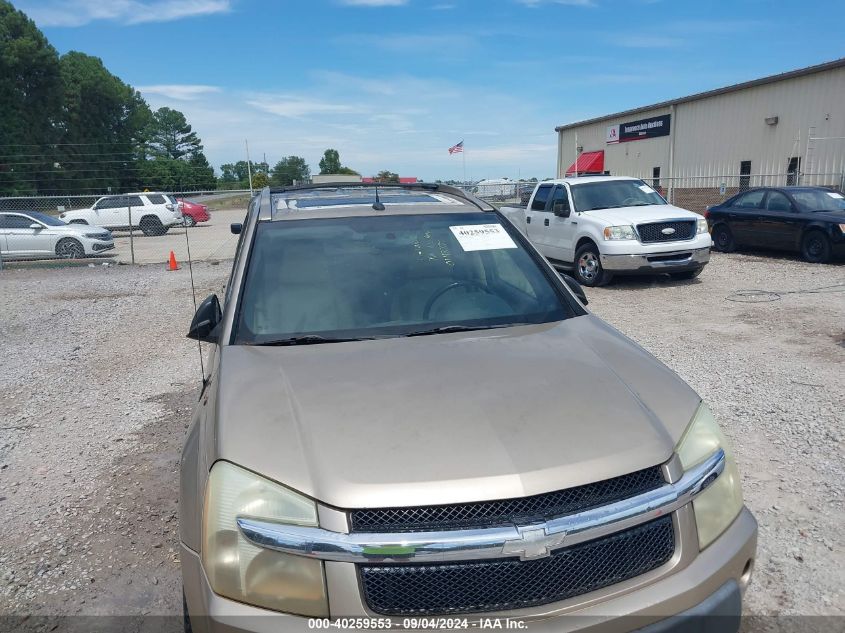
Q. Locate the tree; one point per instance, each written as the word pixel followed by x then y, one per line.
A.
pixel 330 162
pixel 387 176
pixel 102 129
pixel 30 103
pixel 290 169
pixel 260 180
pixel 236 175
pixel 170 135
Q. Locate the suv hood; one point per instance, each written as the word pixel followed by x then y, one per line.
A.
pixel 451 417
pixel 638 215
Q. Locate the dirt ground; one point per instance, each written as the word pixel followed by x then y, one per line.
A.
pixel 97 382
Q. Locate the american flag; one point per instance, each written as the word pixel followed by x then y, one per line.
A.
pixel 457 149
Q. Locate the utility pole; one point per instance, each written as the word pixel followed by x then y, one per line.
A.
pixel 249 167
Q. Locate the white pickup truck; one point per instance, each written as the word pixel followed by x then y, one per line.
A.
pixel 600 226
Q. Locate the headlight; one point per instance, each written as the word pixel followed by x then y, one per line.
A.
pixel 701 226
pixel 239 570
pixel 625 232
pixel 720 503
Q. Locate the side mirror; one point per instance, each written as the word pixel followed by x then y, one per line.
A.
pixel 205 322
pixel 236 228
pixel 561 210
pixel 575 287
pixel 35 226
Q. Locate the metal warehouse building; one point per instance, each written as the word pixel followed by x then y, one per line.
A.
pixel 700 149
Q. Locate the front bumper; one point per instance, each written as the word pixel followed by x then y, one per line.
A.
pixel 694 591
pixel 668 262
pixel 94 247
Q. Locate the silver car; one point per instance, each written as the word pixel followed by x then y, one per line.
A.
pixel 35 235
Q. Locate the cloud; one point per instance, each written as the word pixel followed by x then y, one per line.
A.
pixel 373 3
pixel 294 107
pixel 71 13
pixel 443 7
pixel 183 92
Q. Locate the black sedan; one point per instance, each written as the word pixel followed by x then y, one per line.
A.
pixel 808 220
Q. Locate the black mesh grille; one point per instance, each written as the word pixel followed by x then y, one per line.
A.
pixel 506 584
pixel 653 232
pixel 522 510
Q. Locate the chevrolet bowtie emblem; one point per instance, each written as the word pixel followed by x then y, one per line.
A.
pixel 533 543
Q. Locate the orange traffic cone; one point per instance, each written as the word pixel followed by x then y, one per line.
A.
pixel 172 265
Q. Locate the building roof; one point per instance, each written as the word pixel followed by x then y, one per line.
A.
pixel 809 70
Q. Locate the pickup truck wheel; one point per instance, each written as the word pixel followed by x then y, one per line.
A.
pixel 152 226
pixel 588 268
pixel 69 248
pixel 723 239
pixel 815 248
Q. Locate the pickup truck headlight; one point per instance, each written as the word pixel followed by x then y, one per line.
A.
pixel 624 232
pixel 239 570
pixel 720 503
pixel 701 226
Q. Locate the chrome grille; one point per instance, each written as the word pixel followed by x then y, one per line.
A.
pixel 506 584
pixel 653 232
pixel 522 510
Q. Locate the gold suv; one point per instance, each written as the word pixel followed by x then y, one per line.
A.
pixel 411 421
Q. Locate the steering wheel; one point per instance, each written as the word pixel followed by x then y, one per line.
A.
pixel 468 283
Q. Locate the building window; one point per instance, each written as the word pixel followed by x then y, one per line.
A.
pixel 655 177
pixel 792 171
pixel 744 175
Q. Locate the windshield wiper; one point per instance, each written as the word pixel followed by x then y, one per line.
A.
pixel 309 339
pixel 445 329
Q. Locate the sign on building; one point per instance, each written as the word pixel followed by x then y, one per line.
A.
pixel 652 127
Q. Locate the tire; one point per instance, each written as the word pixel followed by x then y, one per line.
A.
pixel 723 239
pixel 151 225
pixel 189 221
pixel 186 619
pixel 815 247
pixel 587 269
pixel 69 248
pixel 78 222
pixel 687 274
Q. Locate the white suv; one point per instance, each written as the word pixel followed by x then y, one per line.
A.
pixel 153 213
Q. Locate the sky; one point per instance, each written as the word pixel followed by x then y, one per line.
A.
pixel 392 84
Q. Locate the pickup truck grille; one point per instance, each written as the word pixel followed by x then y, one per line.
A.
pixel 654 232
pixel 509 583
pixel 521 510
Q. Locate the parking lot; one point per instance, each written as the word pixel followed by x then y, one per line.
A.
pixel 98 381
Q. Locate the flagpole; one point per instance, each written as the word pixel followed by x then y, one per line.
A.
pixel 464 157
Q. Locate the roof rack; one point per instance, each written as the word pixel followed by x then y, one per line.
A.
pixel 266 207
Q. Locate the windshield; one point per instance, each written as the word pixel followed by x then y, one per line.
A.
pixel 49 220
pixel 612 194
pixel 817 200
pixel 364 277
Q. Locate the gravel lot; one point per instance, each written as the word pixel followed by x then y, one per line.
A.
pixel 97 381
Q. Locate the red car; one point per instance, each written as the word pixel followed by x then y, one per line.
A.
pixel 193 212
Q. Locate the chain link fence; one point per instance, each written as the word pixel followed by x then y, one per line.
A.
pixel 33 227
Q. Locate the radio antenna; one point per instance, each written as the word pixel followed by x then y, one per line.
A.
pixel 377 205
pixel 193 294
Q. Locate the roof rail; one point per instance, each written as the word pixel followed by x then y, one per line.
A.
pixel 419 186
